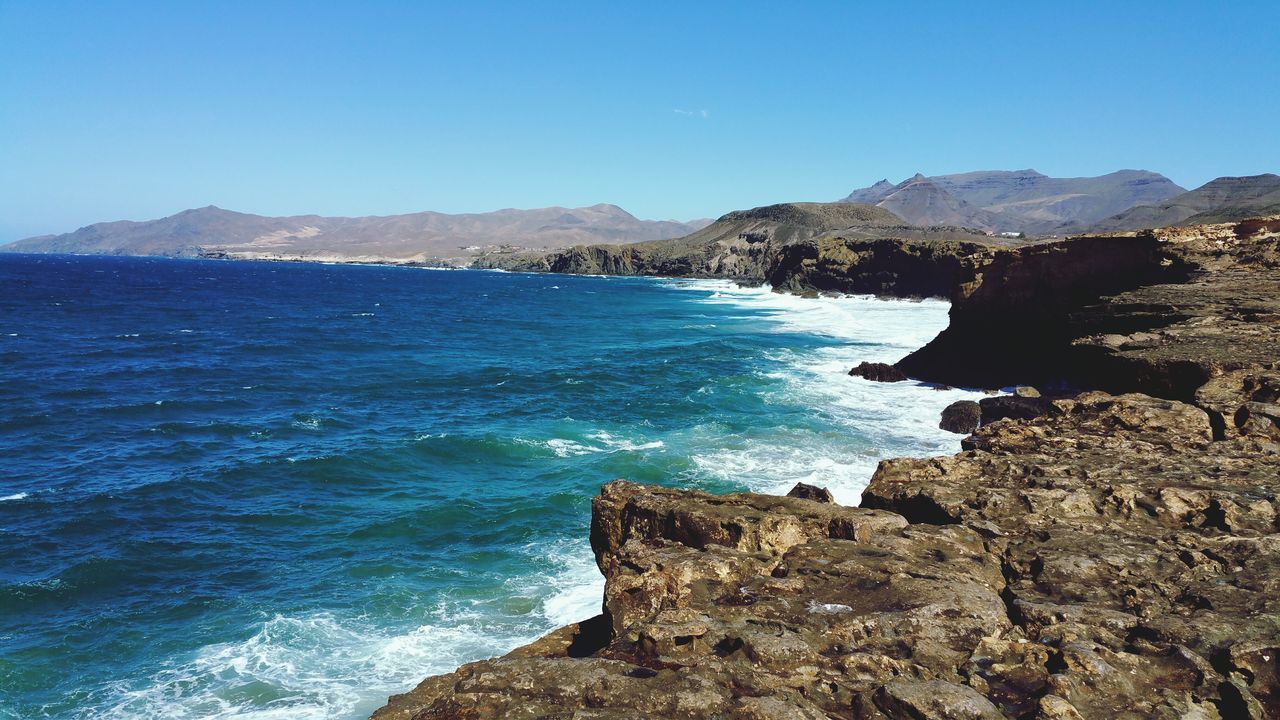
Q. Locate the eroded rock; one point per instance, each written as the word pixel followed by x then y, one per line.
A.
pixel 961 416
pixel 878 372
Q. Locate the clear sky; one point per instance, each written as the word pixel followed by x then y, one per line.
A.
pixel 131 110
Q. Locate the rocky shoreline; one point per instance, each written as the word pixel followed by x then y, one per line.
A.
pixel 1115 555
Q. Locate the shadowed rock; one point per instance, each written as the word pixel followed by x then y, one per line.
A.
pixel 878 372
pixel 805 491
pixel 961 416
pixel 1012 406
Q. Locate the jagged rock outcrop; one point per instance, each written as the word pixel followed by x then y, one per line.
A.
pixel 1141 554
pixel 878 372
pixel 886 266
pixel 750 606
pixel 1159 311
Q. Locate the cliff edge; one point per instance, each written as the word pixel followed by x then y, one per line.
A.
pixel 1117 555
pixel 798 247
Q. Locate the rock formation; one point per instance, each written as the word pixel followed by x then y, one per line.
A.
pixel 1159 311
pixel 961 416
pixel 878 372
pixel 1092 556
pixel 796 247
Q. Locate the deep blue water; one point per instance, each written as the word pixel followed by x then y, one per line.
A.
pixel 239 489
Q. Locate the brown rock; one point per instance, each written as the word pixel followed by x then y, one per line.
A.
pixel 930 700
pixel 961 416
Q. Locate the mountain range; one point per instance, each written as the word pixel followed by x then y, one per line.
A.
pixel 420 237
pixel 1225 199
pixel 1021 201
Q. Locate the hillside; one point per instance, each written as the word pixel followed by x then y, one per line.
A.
pixel 1221 200
pixel 801 247
pixel 732 246
pixel 1016 201
pixel 416 236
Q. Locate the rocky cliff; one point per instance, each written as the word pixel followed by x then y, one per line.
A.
pixel 797 247
pixel 1158 311
pixel 1107 556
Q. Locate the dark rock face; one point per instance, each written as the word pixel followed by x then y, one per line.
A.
pixel 961 416
pixel 805 491
pixel 887 266
pixel 878 372
pixel 1012 406
pixel 1159 312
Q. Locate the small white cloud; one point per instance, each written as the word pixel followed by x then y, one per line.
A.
pixel 703 113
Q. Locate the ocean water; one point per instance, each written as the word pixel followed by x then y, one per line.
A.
pixel 270 490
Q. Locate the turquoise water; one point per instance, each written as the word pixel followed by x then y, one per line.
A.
pixel 268 490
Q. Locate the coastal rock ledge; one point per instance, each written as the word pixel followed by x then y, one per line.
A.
pixel 1096 556
pixel 1108 559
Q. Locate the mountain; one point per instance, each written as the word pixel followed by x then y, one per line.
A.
pixel 1016 201
pixel 1222 200
pixel 924 201
pixel 417 236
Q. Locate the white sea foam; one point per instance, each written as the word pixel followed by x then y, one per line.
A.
pixel 316 666
pixel 593 442
pixel 324 666
pixel 877 420
pixel 15 496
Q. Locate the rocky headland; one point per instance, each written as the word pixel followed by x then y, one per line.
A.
pixel 794 247
pixel 1112 552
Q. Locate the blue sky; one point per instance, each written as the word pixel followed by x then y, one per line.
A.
pixel 112 110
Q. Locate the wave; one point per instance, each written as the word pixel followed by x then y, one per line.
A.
pixel 15 496
pixel 875 420
pixel 593 442
pixel 324 665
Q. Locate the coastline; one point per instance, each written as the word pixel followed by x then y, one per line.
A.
pixel 741 414
pixel 1117 555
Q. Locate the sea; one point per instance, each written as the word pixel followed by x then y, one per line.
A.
pixel 264 490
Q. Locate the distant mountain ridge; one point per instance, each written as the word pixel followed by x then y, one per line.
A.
pixel 416 236
pixel 1225 199
pixel 1016 201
